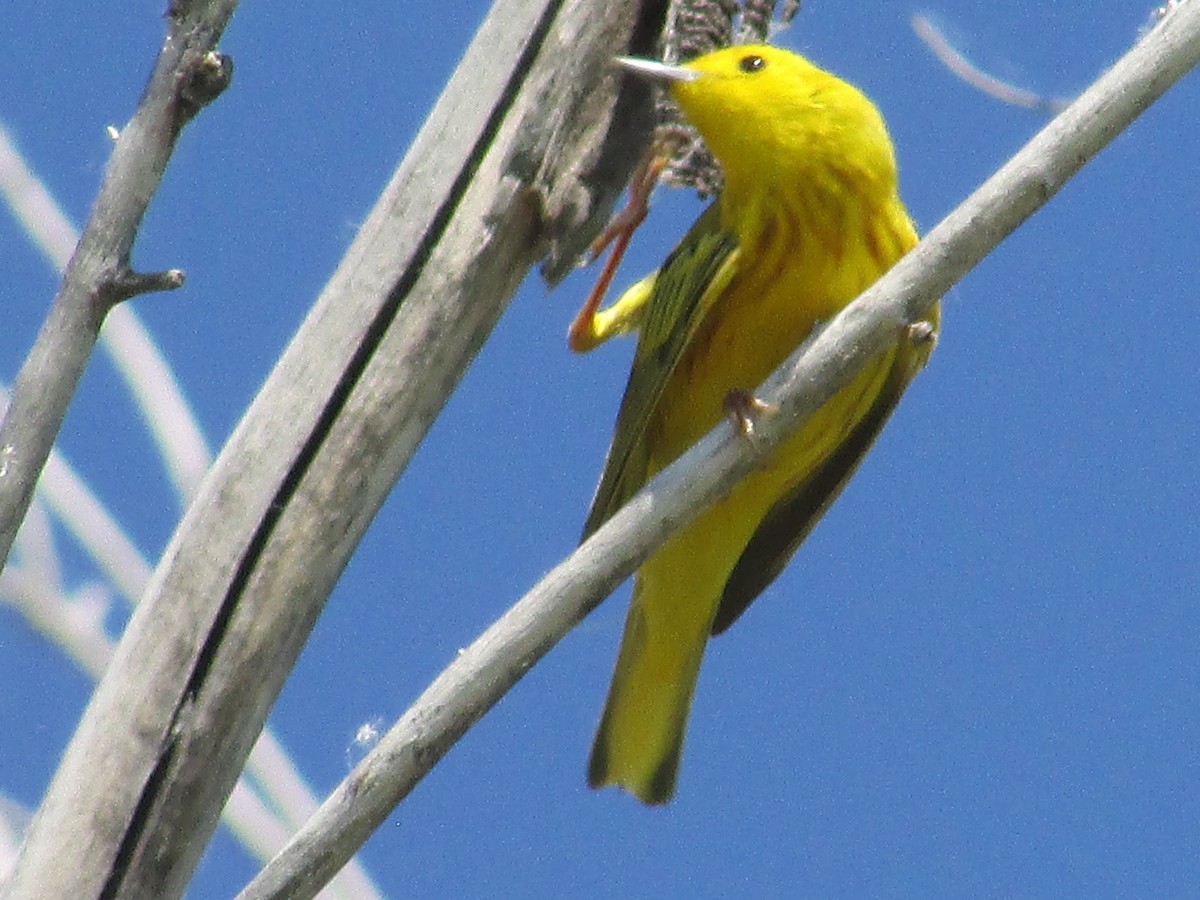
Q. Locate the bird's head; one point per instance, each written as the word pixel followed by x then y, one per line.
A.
pixel 765 112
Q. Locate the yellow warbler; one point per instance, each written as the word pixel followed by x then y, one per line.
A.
pixel 808 218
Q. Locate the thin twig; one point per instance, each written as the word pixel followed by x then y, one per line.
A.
pixel 484 672
pixel 956 61
pixel 155 390
pixel 187 75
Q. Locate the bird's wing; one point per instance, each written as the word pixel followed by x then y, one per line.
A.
pixel 793 516
pixel 690 280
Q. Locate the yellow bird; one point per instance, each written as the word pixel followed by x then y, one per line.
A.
pixel 808 218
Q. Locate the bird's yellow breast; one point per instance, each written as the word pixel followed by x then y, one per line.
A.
pixel 809 263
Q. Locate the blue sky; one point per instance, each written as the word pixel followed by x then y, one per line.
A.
pixel 978 677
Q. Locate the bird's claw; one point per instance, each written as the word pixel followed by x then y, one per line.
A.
pixel 743 410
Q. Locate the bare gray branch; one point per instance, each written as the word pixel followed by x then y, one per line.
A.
pixel 187 75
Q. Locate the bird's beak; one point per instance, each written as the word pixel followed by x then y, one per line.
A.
pixel 656 71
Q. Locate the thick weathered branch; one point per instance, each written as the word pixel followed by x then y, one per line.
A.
pixel 484 672
pixel 188 74
pixel 520 157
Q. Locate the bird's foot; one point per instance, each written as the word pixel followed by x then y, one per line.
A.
pixel 744 410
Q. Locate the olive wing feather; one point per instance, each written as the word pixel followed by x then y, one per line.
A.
pixel 788 522
pixel 692 277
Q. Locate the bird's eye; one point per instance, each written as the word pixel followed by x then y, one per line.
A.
pixel 752 64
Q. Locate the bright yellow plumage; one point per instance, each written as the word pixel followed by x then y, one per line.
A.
pixel 809 217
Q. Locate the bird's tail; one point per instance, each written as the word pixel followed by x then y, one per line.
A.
pixel 640 738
